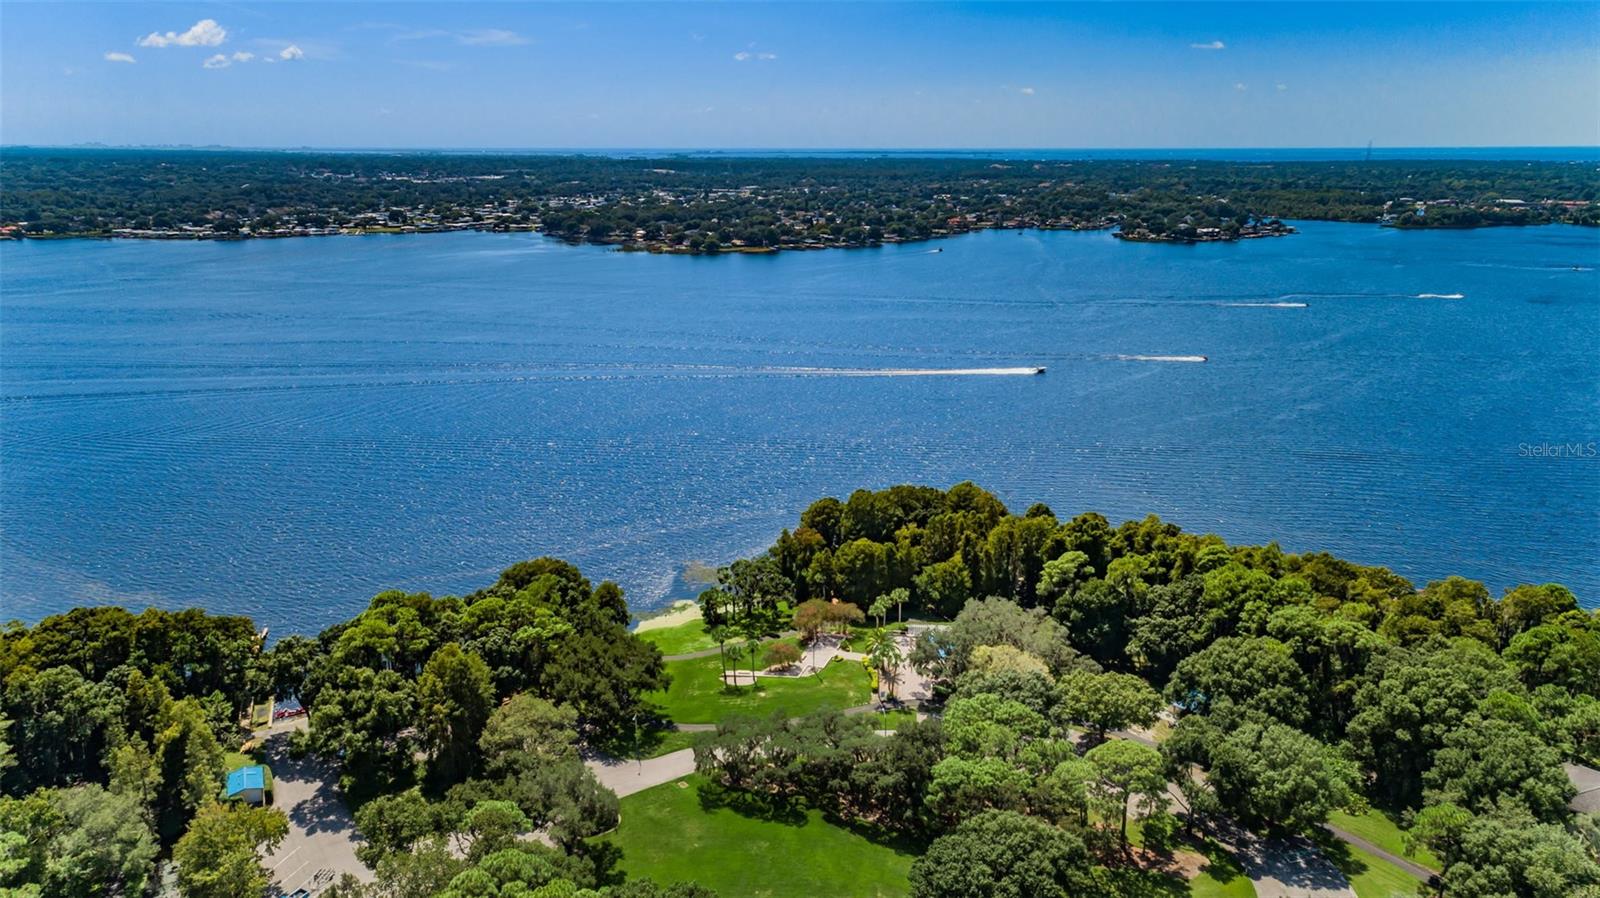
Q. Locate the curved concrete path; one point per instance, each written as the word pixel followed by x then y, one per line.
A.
pixel 628 777
pixel 1278 868
pixel 1406 864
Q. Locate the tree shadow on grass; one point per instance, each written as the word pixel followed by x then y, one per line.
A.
pixel 768 808
pixel 1220 865
pixel 900 843
pixel 1126 882
pixel 1338 854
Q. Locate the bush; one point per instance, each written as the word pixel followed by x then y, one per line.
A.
pixel 782 654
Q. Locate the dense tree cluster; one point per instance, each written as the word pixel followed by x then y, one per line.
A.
pixel 454 723
pixel 1300 684
pixel 1293 685
pixel 413 674
pixel 718 203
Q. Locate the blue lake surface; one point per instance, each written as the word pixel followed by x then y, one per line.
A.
pixel 284 428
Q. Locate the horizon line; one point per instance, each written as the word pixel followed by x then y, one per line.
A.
pixel 87 145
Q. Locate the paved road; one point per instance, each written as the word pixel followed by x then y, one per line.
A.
pixel 712 728
pixel 628 777
pixel 1406 864
pixel 1283 868
pixel 321 843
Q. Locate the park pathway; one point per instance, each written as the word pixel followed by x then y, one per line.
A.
pixel 627 777
pixel 1278 868
pixel 1406 864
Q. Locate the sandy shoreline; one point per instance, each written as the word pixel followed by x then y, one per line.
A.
pixel 683 611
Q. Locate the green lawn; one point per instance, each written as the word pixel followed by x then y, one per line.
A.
pixel 893 720
pixel 698 695
pixel 1132 883
pixel 233 760
pixel 690 830
pixel 680 640
pixel 1381 830
pixel 1370 876
pixel 1221 877
pixel 650 744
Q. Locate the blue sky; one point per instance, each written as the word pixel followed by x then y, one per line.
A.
pixel 800 75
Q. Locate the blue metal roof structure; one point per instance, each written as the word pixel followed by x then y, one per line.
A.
pixel 246 778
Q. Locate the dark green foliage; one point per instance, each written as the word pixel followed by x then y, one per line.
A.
pixel 454 700
pixel 829 760
pixel 417 673
pixel 1003 854
pixel 1255 674
pixel 1264 773
pixel 1506 853
pixel 1411 701
pixel 1490 763
pixel 75 843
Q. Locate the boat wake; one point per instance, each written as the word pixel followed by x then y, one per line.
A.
pixel 1264 305
pixel 1160 358
pixel 1440 296
pixel 905 372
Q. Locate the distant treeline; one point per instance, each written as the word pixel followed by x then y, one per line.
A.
pixel 710 204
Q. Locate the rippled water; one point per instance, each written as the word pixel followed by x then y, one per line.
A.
pixel 284 428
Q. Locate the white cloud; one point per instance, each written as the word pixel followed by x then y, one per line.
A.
pixel 204 33
pixel 291 52
pixel 1027 91
pixel 217 62
pixel 491 37
pixel 114 56
pixel 1214 45
pixel 1283 87
pixel 243 56
pixel 746 56
pixel 1240 85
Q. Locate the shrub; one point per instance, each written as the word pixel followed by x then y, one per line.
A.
pixel 782 654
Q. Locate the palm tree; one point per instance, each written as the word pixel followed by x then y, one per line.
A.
pixel 880 608
pixel 721 634
pixel 751 631
pixel 884 653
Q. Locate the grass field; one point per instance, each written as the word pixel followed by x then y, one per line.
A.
pixel 1381 830
pixel 697 693
pixel 233 760
pixel 689 830
pixel 893 720
pixel 649 744
pixel 1370 876
pixel 681 639
pixel 1221 877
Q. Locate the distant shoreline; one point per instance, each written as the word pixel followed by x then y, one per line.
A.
pixel 712 204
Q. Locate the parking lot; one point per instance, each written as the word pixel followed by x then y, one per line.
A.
pixel 320 846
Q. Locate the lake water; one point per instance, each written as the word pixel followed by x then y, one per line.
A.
pixel 284 428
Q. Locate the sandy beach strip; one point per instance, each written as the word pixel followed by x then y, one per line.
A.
pixel 683 611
